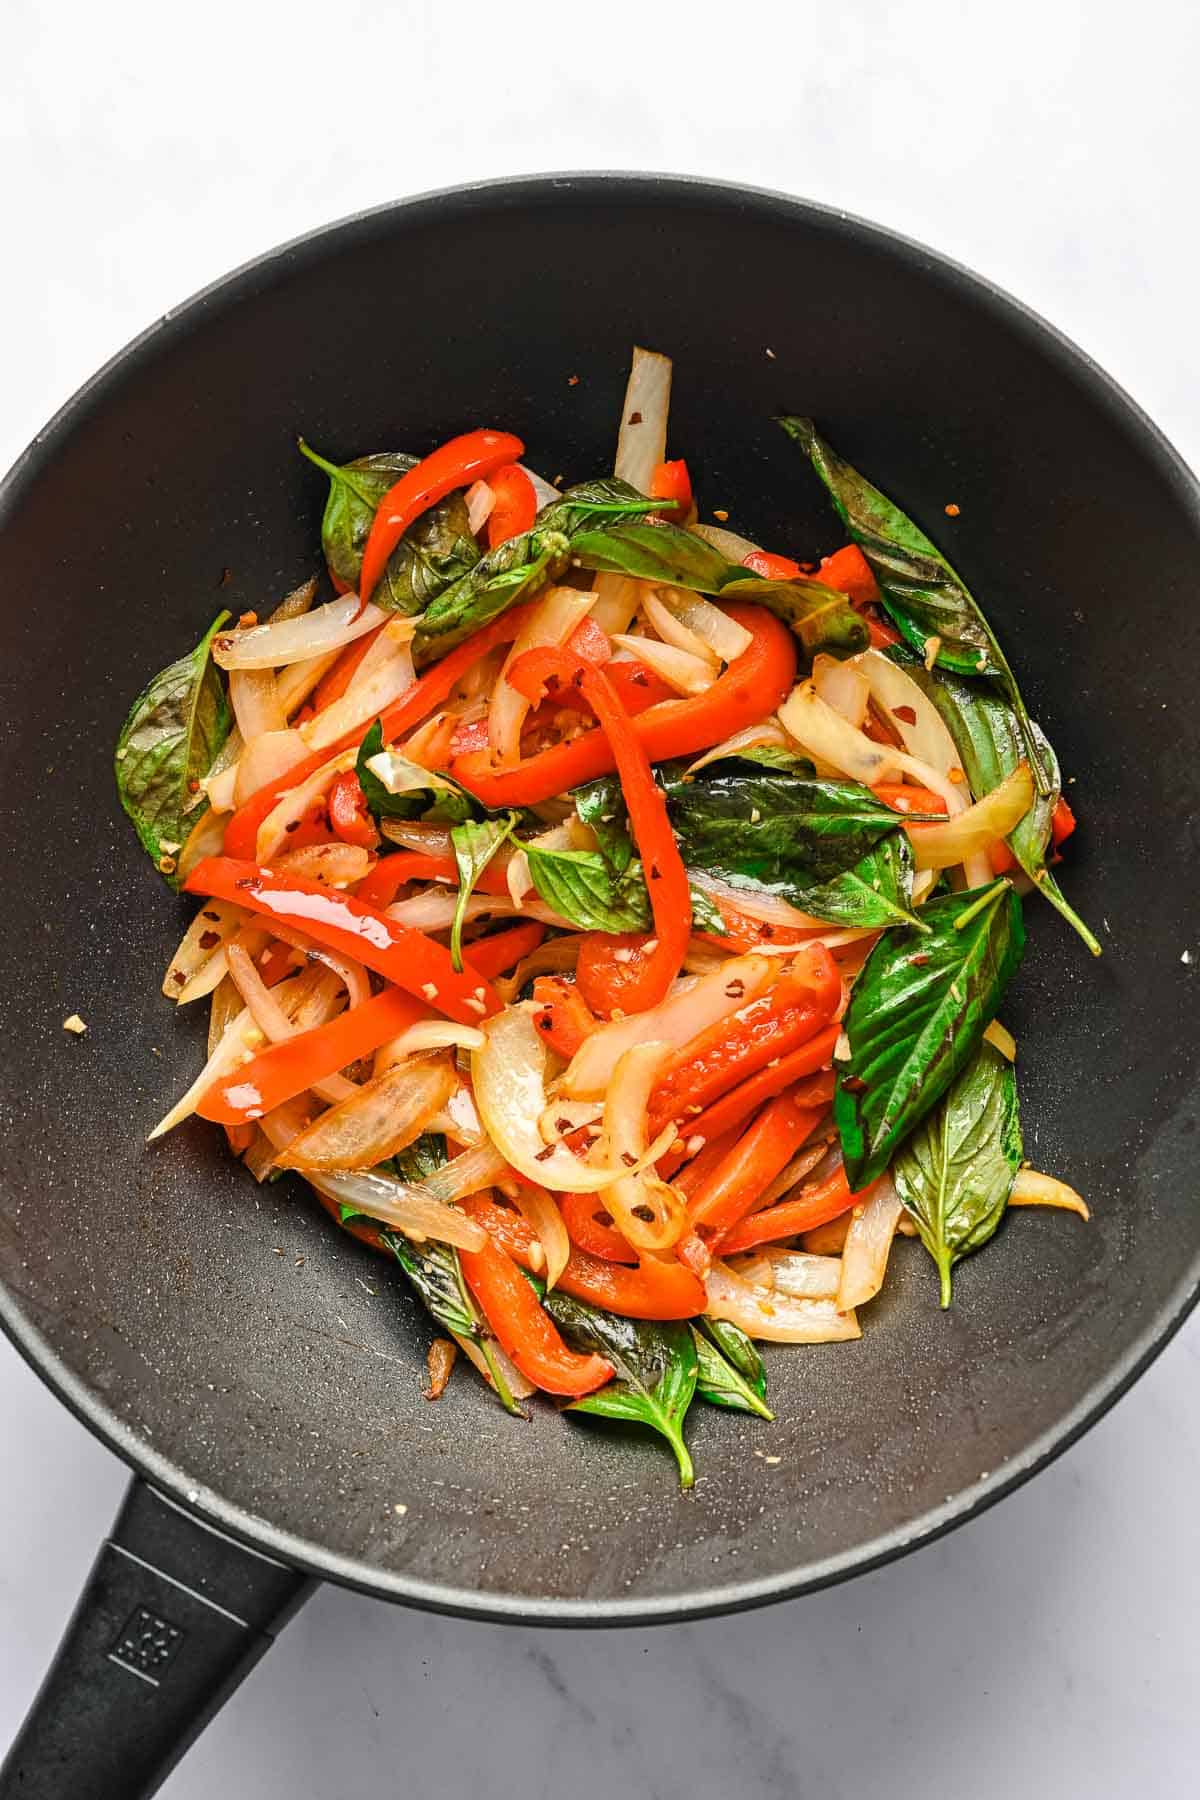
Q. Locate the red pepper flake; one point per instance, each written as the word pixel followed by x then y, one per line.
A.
pixel 543 1022
pixel 193 786
pixel 655 872
pixel 645 1214
pixel 629 1159
pixel 209 940
pixel 635 418
pixel 572 381
pixel 768 931
pixel 735 989
pixel 246 881
pixel 544 1155
pixel 640 678
pixel 918 961
pixel 854 1085
pixel 907 713
pixel 603 1218
pixel 248 618
pixel 952 511
pixel 292 825
pixel 209 914
pixel 226 578
pixel 178 976
pixel 562 1126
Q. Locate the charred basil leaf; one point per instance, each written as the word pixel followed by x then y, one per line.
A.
pixel 436 1273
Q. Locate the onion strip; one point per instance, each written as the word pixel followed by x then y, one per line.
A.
pixel 1032 1189
pixel 766 1313
pixel 330 627
pixel 868 1244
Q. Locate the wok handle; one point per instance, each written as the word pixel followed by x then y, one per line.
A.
pixel 174 1615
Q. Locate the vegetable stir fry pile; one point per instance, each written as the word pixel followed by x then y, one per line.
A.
pixel 606 916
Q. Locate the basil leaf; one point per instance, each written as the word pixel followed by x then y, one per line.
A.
pixel 656 1368
pixel 420 793
pixel 601 807
pixel 876 892
pixel 437 548
pixel 730 1371
pixel 924 596
pixel 474 847
pixel 916 1015
pixel 513 571
pixel 170 740
pixel 655 553
pixel 423 1157
pixel 955 1173
pixel 821 617
pixel 605 502
pixel 436 1273
pixel 988 738
pixel 581 887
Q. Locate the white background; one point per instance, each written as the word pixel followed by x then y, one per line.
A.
pixel 1050 1647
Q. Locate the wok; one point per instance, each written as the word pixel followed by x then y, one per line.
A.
pixel 261 1372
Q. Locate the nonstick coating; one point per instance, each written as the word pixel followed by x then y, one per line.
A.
pixel 225 1338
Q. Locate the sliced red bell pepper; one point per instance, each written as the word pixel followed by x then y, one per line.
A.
pixel 771 567
pixel 815 1206
pixel 655 1289
pixel 525 1331
pixel 610 970
pixel 666 877
pixel 471 735
pixel 585 1219
pixel 671 481
pixel 391 873
pixel 882 634
pixel 709 1157
pixel 348 813
pixel 563 1017
pixel 456 464
pixel 749 691
pixel 735 1107
pixel 756 1159
pixel 909 799
pixel 415 704
pixel 744 932
pixel 515 506
pixel 286 1069
pixel 590 641
pixel 1062 822
pixel 1000 857
pixel 503 950
pixel 343 922
pixel 337 679
pixel 849 572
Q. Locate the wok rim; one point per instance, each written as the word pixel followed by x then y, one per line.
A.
pixel 209 1507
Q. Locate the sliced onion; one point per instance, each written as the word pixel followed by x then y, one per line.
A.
pixel 540 1212
pixel 400 775
pixel 481 500
pixel 546 493
pixel 333 865
pixel 687 674
pixel 291 807
pixel 468 1173
pixel 265 759
pixel 382 1118
pixel 748 739
pixel 868 1243
pixel 312 999
pixel 735 549
pixel 434 910
pixel 206 838
pixel 427 1034
pixel 395 1203
pixel 255 702
pixel 509 1076
pixel 386 672
pixel 756 903
pixel 924 736
pixel 616 599
pixel 351 974
pixel 828 1239
pixel 272 1020
pixel 554 618
pixel 826 735
pixel 800 1166
pixel 1002 1039
pixel 672 630
pixel 766 1313
pixel 722 635
pixel 225 1007
pixel 562 1117
pixel 635 1196
pixel 330 627
pixel 240 1040
pixel 642 439
pixel 1032 1189
pixel 970 833
pixel 558 956
pixel 413 834
pixel 519 1386
pixel 213 925
pixel 218 785
pixel 298 680
pixel 844 686
pixel 796 1273
pixel 259 1155
pixel 678 1019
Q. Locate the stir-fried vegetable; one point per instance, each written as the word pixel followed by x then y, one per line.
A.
pixel 606 915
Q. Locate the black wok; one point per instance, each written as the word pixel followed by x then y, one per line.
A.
pixel 262 1372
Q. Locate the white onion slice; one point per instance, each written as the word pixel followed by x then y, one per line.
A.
pixel 554 618
pixel 704 619
pixel 413 834
pixel 375 1121
pixel 1032 1189
pixel 734 548
pixel 686 673
pixel 333 865
pixel 426 1034
pixel 615 601
pixel 351 974
pixel 968 834
pixel 291 807
pixel 926 737
pixel 330 627
pixel 255 702
pixel 757 903
pixel 673 631
pixel 642 439
pixel 747 739
pixel 546 494
pixel 240 1040
pixel 797 1273
pixel 678 1019
pixel 264 759
pixel 395 1203
pixel 766 1313
pixel 386 672
pixel 540 1212
pixel 826 735
pixel 271 1019
pixel 298 680
pixel 868 1243
pixel 213 925
pixel 468 1173
pixel 635 1195
pixel 206 838
pixel 481 500
pixel 844 686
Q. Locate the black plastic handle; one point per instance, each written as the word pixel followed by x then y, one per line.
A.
pixel 173 1617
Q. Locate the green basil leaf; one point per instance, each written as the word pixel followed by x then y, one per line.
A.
pixel 917 1013
pixel 988 738
pixel 608 501
pixel 175 728
pixel 474 847
pixel 730 1371
pixel 437 548
pixel 422 1158
pixel 601 806
pixel 436 1273
pixel 924 596
pixel 876 892
pixel 821 617
pixel 581 887
pixel 955 1173
pixel 656 1368
pixel 419 792
pixel 512 572
pixel 655 553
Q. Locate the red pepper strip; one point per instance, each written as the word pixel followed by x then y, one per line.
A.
pixel 391 873
pixel 653 1290
pixel 348 813
pixel 336 680
pixel 343 922
pixel 671 481
pixel 591 642
pixel 584 1216
pixel 1000 857
pixel 771 567
pixel 639 687
pixel 666 877
pixel 472 735
pixel 456 464
pixel 703 1163
pixel 1062 822
pixel 495 955
pixel 339 586
pixel 276 962
pixel 849 571
pixel 735 1107
pixel 526 1332
pixel 284 1070
pixel 753 1163
pixel 909 799
pixel 816 1206
pixel 240 1138
pixel 748 692
pixel 415 704
pixel 776 1023
pixel 563 1017
pixel 609 970
pixel 742 932
pixel 515 506
pixel 881 634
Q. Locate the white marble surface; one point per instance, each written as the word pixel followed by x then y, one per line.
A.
pixel 1050 1646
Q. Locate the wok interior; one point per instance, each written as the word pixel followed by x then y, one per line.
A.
pixel 230 1330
